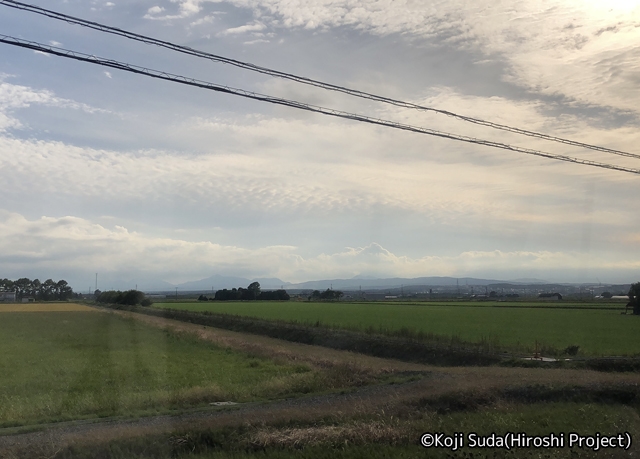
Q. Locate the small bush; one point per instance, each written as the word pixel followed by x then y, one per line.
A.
pixel 571 350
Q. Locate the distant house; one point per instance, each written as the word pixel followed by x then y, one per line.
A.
pixel 390 297
pixel 7 297
pixel 28 299
pixel 550 296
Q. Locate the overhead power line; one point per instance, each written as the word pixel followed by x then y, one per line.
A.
pixel 300 79
pixel 35 46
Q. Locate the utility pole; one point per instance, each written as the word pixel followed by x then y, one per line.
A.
pixel 96 281
pixel 176 293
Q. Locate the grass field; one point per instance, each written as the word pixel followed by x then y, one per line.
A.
pixel 596 331
pixel 44 307
pixel 68 365
pixel 88 363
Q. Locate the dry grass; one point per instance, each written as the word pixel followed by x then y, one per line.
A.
pixel 279 350
pixel 45 307
pixel 355 433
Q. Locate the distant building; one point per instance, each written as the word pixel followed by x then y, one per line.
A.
pixel 390 297
pixel 7 297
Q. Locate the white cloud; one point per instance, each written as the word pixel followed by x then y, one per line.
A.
pixel 186 9
pixel 208 19
pixel 585 51
pixel 255 42
pixel 155 10
pixel 14 97
pixel 77 245
pixel 253 27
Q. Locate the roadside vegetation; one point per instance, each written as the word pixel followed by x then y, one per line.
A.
pixel 392 431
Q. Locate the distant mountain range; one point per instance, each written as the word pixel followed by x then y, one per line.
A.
pixel 394 282
pixel 218 282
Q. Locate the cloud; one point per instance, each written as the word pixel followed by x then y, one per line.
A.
pixel 254 27
pixel 76 245
pixel 584 51
pixel 154 10
pixel 255 42
pixel 13 97
pixel 186 9
pixel 208 19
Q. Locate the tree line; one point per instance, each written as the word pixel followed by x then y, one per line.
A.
pixel 328 294
pixel 251 293
pixel 48 290
pixel 129 297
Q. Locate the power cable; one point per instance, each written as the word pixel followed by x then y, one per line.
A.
pixel 300 79
pixel 294 104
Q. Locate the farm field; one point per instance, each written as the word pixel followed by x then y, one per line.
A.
pixel 596 331
pixel 86 364
pixel 70 365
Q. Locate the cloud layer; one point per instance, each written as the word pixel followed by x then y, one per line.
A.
pixel 41 245
pixel 117 173
pixel 583 51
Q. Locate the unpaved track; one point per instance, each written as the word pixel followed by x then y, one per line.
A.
pixel 371 399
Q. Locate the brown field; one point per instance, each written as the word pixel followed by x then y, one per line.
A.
pixel 44 307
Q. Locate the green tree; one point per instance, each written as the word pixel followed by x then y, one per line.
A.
pixel 48 290
pixel 64 291
pixel 634 297
pixel 254 290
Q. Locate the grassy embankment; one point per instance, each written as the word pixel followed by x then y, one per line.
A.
pixel 71 365
pixel 554 326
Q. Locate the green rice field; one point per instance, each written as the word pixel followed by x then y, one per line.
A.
pixel 598 329
pixel 71 365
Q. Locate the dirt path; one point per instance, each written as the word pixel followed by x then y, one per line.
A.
pixel 279 349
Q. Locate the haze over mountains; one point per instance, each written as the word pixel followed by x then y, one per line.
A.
pixel 217 282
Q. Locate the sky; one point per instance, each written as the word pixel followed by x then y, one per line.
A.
pixel 145 181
